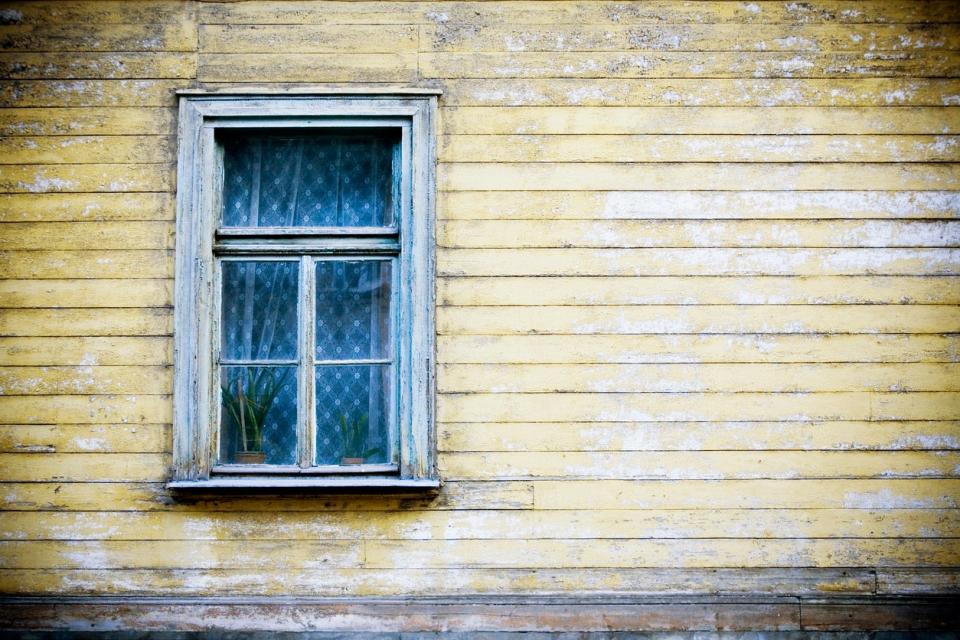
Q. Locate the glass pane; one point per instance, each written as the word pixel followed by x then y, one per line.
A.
pixel 353 414
pixel 353 310
pixel 259 310
pixel 323 178
pixel 258 415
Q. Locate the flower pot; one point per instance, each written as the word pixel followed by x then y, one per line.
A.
pixel 249 457
pixel 351 461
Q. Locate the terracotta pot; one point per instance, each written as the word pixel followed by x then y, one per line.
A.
pixel 249 457
pixel 351 461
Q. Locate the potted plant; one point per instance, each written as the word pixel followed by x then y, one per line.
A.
pixel 248 403
pixel 355 433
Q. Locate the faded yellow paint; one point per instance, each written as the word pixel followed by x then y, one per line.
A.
pixel 697 299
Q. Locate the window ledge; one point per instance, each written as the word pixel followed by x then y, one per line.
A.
pixel 275 483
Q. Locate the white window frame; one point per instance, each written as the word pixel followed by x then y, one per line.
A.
pixel 199 178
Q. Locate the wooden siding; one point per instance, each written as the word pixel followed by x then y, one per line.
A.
pixel 697 299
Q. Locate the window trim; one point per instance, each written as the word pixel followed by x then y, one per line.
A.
pixel 200 114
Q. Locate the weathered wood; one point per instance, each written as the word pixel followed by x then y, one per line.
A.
pixel 151 496
pixel 149 321
pixel 57 265
pixel 97 66
pixel 698 465
pixel 91 121
pixel 599 290
pixel 689 64
pixel 108 438
pixel 483 234
pixel 740 526
pixel 179 554
pixel 413 582
pixel 150 380
pixel 696 349
pixel 305 67
pixel 84 351
pixel 90 409
pixel 87 235
pixel 25 294
pixel 698 205
pixel 313 38
pixel 682 407
pixel 477 37
pixel 65 207
pixel 382 554
pixel 696 148
pixel 699 120
pixel 701 436
pixel 87 149
pixel 702 92
pixel 688 319
pixel 682 262
pixel 176 35
pixel 90 93
pixel 747 494
pixel 41 178
pixel 577 12
pixel 695 176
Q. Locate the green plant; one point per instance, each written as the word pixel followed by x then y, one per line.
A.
pixel 249 402
pixel 355 433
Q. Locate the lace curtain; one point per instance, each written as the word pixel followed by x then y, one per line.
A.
pixel 295 180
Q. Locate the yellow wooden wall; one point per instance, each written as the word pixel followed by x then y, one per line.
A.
pixel 697 298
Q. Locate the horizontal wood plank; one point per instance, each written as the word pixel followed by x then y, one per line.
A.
pixel 693 465
pixel 698 205
pixel 743 525
pixel 31 178
pixel 519 176
pixel 673 378
pixel 483 234
pixel 663 262
pixel 682 407
pixel 86 351
pixel 69 207
pixel 57 265
pixel 701 92
pixel 693 148
pixel 585 349
pixel 117 292
pixel 106 438
pixel 97 66
pixel 690 64
pixel 811 37
pixel 88 149
pixel 700 436
pixel 856 494
pixel 150 321
pixel 700 120
pixel 599 290
pixel 148 380
pixel 686 319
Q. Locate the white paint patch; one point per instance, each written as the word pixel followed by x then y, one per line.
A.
pixel 42 184
pixel 92 444
pixel 752 7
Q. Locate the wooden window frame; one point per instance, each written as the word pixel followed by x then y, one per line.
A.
pixel 199 178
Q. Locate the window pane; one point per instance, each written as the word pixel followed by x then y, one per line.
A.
pixel 353 414
pixel 353 310
pixel 259 310
pixel 258 415
pixel 319 179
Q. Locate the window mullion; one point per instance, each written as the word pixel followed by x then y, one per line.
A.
pixel 306 416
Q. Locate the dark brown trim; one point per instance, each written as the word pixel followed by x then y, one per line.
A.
pixel 483 613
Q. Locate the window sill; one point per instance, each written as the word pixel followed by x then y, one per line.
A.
pixel 301 483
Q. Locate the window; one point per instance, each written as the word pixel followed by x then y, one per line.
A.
pixel 304 300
